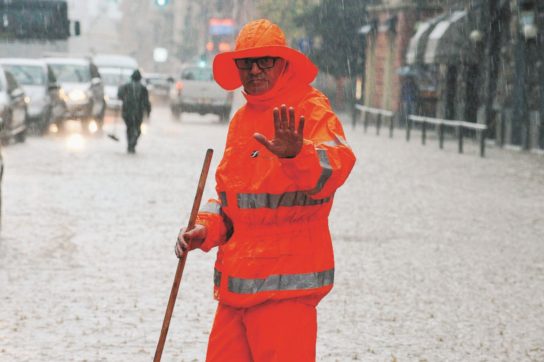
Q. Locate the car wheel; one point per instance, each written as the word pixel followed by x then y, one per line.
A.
pixel 45 121
pixel 21 136
pixel 60 125
pixel 101 116
pixel 85 122
pixel 176 113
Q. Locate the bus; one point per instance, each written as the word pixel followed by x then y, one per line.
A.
pixel 30 28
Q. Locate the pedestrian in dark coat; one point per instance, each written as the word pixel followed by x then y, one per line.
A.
pixel 135 100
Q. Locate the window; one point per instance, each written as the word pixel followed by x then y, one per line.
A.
pixel 12 83
pixel 94 71
pixel 115 77
pixel 27 74
pixel 197 73
pixel 50 75
pixel 72 73
pixel 31 19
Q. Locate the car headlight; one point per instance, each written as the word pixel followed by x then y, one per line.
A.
pixel 27 99
pixel 62 95
pixel 77 95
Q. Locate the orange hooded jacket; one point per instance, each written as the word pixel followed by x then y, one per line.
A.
pixel 271 219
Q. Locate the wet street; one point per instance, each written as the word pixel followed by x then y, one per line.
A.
pixel 439 256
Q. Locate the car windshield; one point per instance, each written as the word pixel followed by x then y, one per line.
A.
pixel 115 77
pixel 197 73
pixel 157 81
pixel 27 74
pixel 71 73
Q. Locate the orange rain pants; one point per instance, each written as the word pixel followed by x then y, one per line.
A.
pixel 274 331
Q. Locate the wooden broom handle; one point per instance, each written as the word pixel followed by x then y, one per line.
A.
pixel 181 261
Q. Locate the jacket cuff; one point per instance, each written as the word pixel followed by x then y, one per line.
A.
pixel 215 230
pixel 306 162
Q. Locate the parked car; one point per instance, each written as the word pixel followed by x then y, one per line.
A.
pixel 196 91
pixel 12 108
pixel 158 86
pixel 45 102
pixel 83 88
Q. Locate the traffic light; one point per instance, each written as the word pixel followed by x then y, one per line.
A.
pixel 162 3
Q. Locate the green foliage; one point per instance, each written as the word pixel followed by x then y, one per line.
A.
pixel 333 26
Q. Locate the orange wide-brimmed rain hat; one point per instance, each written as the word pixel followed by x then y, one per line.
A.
pixel 261 38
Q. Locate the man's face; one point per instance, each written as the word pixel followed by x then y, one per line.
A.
pixel 257 80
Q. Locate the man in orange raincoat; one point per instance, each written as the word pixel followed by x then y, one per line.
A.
pixel 275 186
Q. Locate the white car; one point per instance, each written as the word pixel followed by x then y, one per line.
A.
pixel 45 103
pixel 83 88
pixel 197 92
pixel 115 71
pixel 113 78
pixel 12 108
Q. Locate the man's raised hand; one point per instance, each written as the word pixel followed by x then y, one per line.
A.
pixel 287 141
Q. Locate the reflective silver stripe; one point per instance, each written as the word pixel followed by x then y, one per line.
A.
pixel 281 282
pixel 223 198
pixel 212 208
pixel 326 171
pixel 216 277
pixel 273 201
pixel 338 140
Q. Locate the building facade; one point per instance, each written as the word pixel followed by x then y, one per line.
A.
pixel 476 61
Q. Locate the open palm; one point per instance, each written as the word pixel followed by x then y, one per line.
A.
pixel 287 141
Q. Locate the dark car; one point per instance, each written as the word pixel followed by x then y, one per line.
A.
pixel 12 108
pixel 45 103
pixel 83 88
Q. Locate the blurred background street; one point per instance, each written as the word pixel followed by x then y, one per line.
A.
pixel 439 256
pixel 439 253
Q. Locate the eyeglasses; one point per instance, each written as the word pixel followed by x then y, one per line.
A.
pixel 262 63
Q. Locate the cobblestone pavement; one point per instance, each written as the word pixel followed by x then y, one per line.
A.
pixel 440 256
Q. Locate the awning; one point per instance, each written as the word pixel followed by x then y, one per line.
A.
pixel 449 43
pixel 418 42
